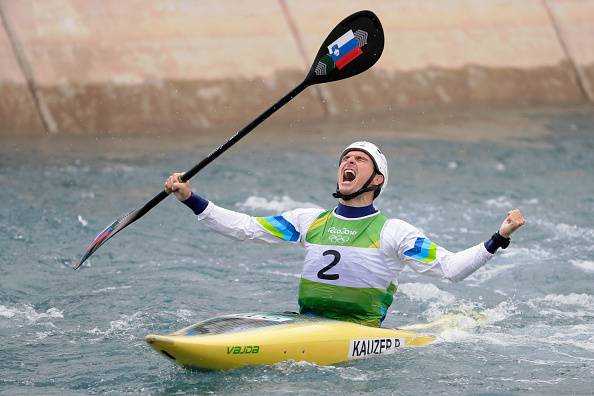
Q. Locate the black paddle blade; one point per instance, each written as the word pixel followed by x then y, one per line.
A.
pixel 351 48
pixel 107 234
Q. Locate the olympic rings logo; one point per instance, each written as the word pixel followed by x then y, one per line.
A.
pixel 339 238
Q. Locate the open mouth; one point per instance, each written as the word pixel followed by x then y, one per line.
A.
pixel 348 175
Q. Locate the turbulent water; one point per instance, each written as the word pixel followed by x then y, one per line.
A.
pixel 67 332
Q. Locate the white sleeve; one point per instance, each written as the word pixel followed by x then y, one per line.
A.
pixel 289 226
pixel 423 256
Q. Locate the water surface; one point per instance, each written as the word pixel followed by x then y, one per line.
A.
pixel 66 332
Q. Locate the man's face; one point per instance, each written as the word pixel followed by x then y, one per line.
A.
pixel 355 168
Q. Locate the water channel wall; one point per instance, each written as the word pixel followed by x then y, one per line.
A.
pixel 159 67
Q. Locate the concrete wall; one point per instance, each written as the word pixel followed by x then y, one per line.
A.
pixel 167 66
pixel 17 110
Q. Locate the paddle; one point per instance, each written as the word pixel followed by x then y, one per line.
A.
pixel 352 47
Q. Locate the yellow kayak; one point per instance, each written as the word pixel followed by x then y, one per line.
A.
pixel 232 341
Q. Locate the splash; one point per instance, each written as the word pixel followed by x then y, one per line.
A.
pixel 463 322
pixel 584 265
pixel 426 292
pixel 123 328
pixel 28 313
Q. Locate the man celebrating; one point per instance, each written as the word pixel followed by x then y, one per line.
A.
pixel 353 253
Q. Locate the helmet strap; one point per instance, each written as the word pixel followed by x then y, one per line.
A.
pixel 366 188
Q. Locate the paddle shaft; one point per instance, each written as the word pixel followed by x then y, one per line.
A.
pixel 224 147
pixel 362 27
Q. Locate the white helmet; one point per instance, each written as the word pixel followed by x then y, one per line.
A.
pixel 378 158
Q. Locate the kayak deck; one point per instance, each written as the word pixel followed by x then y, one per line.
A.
pixel 232 341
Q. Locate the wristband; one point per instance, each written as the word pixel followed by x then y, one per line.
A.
pixel 196 203
pixel 497 241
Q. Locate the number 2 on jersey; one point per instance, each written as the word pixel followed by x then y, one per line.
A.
pixel 322 273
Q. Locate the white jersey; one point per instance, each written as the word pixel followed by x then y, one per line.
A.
pixel 351 264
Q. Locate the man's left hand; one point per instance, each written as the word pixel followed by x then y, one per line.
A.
pixel 514 220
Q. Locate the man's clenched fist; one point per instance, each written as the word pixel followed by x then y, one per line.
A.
pixel 513 221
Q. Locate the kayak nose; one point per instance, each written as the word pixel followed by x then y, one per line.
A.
pixel 161 344
pixel 157 339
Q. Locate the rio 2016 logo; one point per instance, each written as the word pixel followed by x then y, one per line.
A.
pixel 341 235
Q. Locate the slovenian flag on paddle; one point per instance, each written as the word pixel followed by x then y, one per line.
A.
pixel 100 237
pixel 344 49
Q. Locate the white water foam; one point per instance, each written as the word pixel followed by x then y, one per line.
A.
pixel 486 273
pixel 28 313
pixel 292 367
pixel 500 202
pixel 500 312
pixel 287 274
pixel 439 301
pixel 564 306
pixel 531 201
pixel 184 314
pixel 580 336
pixel 582 300
pixel 584 265
pixel 535 252
pixel 110 289
pixel 275 204
pixel 574 231
pixel 462 327
pixel 565 231
pixel 116 168
pixel 460 321
pixel 426 292
pixel 122 327
pixel 41 335
pixel 82 221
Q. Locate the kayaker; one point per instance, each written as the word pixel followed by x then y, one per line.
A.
pixel 353 253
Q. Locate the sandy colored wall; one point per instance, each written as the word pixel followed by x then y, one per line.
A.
pixel 160 67
pixel 576 27
pixel 17 110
